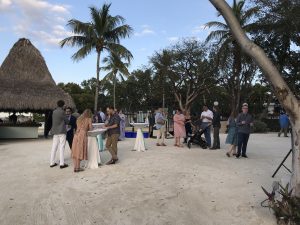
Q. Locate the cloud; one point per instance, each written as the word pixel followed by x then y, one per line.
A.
pixel 173 39
pixel 199 29
pixel 146 30
pixel 5 4
pixel 142 49
pixel 39 20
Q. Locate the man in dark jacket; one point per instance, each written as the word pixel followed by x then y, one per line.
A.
pixel 244 123
pixel 71 127
pixel 216 123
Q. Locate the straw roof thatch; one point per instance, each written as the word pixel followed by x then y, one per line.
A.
pixel 26 83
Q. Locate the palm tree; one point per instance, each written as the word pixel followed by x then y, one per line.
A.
pixel 102 34
pixel 228 46
pixel 116 66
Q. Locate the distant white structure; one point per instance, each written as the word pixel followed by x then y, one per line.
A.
pixel 271 108
pixel 22 117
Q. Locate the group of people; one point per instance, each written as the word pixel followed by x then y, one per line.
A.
pixel 239 128
pixel 74 130
pixel 183 126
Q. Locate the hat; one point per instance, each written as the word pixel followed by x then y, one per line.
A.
pixel 245 105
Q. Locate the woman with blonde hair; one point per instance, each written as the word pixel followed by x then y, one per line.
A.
pixel 79 146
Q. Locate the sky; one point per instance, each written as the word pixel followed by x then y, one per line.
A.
pixel 157 24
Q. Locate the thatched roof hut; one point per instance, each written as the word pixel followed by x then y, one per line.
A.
pixel 26 83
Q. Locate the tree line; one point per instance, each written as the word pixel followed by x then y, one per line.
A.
pixel 189 73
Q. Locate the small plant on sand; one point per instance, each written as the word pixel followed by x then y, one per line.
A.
pixel 286 208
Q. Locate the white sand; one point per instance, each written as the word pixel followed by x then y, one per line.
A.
pixel 163 186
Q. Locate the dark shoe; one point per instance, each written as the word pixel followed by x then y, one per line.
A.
pixel 157 144
pixel 111 162
pixel 213 148
pixel 64 166
pixel 228 155
pixel 244 156
pixel 237 156
pixel 55 164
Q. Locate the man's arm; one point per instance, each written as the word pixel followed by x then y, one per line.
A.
pixel 115 123
pixel 238 120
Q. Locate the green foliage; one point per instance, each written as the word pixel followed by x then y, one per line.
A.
pixel 236 70
pixel 186 68
pixel 278 33
pixel 260 127
pixel 38 117
pixel 286 208
pixel 272 124
pixel 102 33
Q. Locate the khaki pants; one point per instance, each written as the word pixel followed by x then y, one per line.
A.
pixel 112 145
pixel 161 134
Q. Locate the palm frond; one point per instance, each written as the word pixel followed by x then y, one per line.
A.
pixel 119 32
pixel 83 52
pixel 217 24
pixel 74 41
pixel 79 27
pixel 119 50
pixel 216 35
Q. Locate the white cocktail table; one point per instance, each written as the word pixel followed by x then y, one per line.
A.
pixel 139 141
pixel 93 151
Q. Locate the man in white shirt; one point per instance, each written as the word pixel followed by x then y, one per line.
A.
pixel 207 117
pixel 102 115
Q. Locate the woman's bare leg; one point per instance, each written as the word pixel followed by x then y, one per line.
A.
pixel 74 163
pixel 233 149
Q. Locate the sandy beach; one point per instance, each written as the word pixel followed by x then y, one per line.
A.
pixel 163 186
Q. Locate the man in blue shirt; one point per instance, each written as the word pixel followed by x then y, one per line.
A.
pixel 284 124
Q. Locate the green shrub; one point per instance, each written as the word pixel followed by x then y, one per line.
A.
pixel 260 127
pixel 273 124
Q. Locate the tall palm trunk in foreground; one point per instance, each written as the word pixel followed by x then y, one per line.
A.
pixel 284 94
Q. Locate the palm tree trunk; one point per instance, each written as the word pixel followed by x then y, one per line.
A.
pixel 97 84
pixel 237 68
pixel 284 94
pixel 115 81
